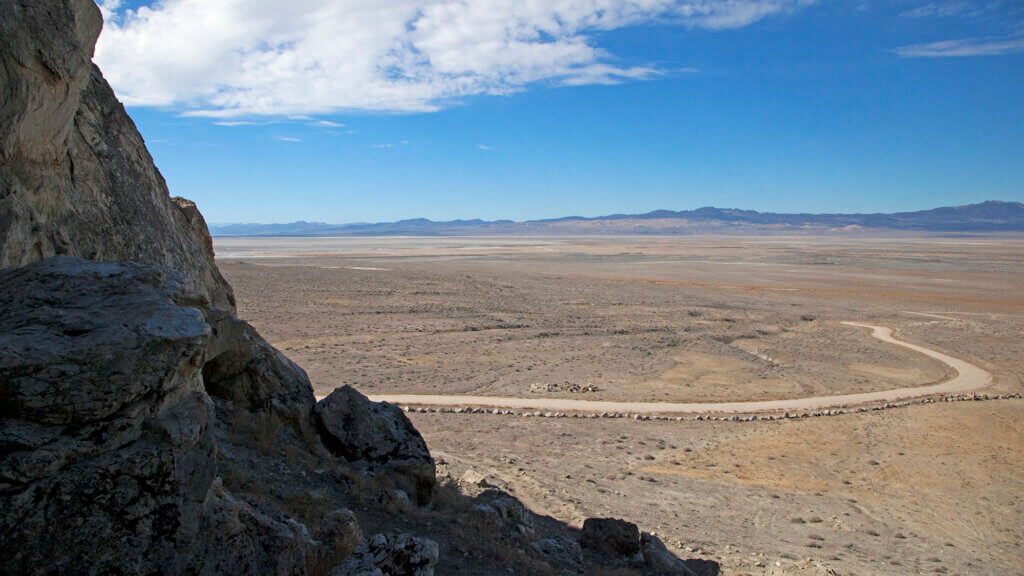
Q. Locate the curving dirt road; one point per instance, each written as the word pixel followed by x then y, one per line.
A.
pixel 968 378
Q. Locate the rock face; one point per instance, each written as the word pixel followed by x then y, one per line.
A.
pixel 106 440
pixel 75 175
pixel 381 436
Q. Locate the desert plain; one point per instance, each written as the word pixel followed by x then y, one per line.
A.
pixel 930 488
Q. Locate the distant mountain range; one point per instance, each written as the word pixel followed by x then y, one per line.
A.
pixel 991 216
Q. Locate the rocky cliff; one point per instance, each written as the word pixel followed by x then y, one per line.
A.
pixel 75 176
pixel 147 429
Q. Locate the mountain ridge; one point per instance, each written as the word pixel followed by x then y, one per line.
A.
pixel 987 216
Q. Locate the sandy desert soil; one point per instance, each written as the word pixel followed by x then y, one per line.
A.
pixel 923 489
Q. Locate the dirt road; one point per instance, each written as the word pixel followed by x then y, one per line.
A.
pixel 968 378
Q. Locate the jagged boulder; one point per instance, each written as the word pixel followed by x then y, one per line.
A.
pixel 611 537
pixel 379 435
pixel 234 537
pixel 76 179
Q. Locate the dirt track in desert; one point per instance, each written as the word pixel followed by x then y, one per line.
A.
pixel 968 378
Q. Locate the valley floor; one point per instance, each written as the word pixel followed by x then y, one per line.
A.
pixel 923 489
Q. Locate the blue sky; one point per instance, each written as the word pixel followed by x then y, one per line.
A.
pixel 427 108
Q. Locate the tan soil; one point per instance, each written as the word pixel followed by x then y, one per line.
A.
pixel 928 489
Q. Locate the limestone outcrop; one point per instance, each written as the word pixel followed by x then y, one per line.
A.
pixel 107 452
pixel 75 176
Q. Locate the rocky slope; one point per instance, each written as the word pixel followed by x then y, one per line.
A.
pixel 145 428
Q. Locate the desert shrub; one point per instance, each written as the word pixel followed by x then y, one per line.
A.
pixel 267 432
pixel 308 507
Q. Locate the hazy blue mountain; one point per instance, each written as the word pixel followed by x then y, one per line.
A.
pixel 991 216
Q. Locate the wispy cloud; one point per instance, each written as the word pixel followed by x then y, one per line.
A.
pixel 483 147
pixel 943 10
pixel 287 58
pixel 289 139
pixel 233 123
pixel 381 145
pixel 327 124
pixel 963 47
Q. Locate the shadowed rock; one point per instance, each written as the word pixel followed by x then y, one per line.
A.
pixel 395 554
pixel 253 375
pixel 659 560
pixel 107 454
pixel 504 514
pixel 563 554
pixel 611 536
pixel 380 435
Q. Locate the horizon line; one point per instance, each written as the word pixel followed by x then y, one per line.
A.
pixel 603 216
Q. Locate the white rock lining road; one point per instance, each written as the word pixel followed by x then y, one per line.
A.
pixel 968 378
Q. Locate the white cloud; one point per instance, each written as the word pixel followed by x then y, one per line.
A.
pixel 327 124
pixel 233 123
pixel 302 57
pixel 380 145
pixel 483 147
pixel 944 10
pixel 109 8
pixel 289 139
pixel 964 47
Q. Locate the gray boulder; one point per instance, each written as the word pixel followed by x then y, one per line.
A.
pixel 339 536
pixel 244 369
pixel 379 435
pixel 502 512
pixel 611 537
pixel 659 560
